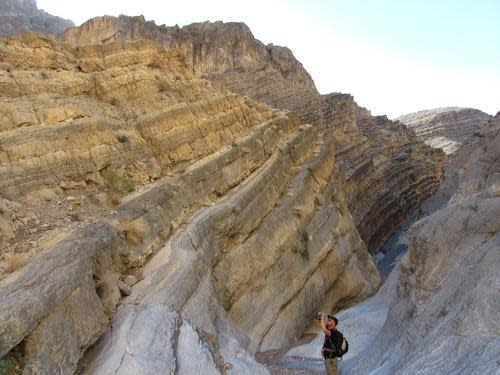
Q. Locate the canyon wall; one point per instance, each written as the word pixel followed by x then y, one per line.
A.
pixel 388 170
pixel 445 128
pixel 18 16
pixel 135 194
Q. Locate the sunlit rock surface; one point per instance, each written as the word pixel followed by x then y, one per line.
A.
pixel 190 181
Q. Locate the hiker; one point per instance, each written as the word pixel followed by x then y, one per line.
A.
pixel 334 345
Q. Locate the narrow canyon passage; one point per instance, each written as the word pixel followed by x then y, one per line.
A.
pixel 303 357
pixel 447 276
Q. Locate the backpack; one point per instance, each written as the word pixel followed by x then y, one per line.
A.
pixel 339 352
pixel 344 347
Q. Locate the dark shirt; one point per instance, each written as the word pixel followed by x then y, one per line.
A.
pixel 332 342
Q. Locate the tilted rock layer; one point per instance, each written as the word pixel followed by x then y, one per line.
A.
pixel 23 15
pixel 388 170
pixel 135 194
pixel 445 128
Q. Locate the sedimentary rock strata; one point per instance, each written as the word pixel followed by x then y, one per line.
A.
pixel 389 171
pixel 199 214
pixel 23 15
pixel 445 128
pixel 475 166
pixel 225 53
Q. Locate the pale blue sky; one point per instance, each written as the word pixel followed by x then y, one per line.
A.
pixel 394 56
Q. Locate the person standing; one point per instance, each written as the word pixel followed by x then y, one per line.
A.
pixel 332 343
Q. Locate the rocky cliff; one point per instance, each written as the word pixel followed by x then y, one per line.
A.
pixel 23 15
pixel 388 170
pixel 225 53
pixel 445 128
pixel 437 311
pixel 159 217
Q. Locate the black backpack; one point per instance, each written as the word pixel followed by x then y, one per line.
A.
pixel 339 352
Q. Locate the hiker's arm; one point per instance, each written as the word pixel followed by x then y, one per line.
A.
pixel 323 326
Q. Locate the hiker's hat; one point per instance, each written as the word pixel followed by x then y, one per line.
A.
pixel 331 317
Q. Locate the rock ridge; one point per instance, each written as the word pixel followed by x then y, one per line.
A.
pixel 18 16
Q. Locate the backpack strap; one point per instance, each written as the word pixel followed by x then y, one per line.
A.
pixel 331 342
pixel 333 346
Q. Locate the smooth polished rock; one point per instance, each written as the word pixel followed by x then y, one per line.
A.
pixel 143 341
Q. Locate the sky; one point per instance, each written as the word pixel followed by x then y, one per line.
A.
pixel 393 56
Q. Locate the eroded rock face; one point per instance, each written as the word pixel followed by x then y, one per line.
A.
pixel 475 166
pixel 389 171
pixel 232 216
pixel 225 53
pixel 445 128
pixel 18 16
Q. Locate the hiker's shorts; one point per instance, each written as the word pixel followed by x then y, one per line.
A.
pixel 331 366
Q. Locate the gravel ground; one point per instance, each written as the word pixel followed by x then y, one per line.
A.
pixel 296 366
pixel 281 370
pixel 277 364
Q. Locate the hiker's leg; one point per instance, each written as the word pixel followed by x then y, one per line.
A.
pixel 331 366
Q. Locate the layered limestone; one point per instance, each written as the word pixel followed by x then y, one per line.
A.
pixel 81 128
pixel 18 16
pixel 389 171
pixel 437 311
pixel 156 218
pixel 445 128
pixel 475 166
pixel 437 320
